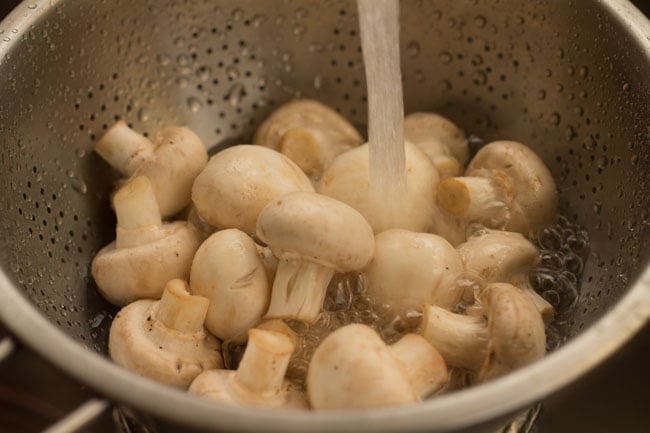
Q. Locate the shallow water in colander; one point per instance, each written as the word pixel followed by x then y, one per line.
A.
pixel 564 247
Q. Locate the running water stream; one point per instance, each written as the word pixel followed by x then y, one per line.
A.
pixel 379 24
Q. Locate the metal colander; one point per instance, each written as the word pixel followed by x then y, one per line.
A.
pixel 570 79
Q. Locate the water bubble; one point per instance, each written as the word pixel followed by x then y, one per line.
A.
pixel 193 104
pixel 413 49
pixel 445 57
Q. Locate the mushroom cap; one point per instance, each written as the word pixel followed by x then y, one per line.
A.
pixel 316 228
pixel 228 271
pixel 127 274
pixel 239 181
pixel 498 256
pixel 347 180
pixel 141 343
pixel 178 158
pixel 424 365
pixel 308 132
pixel 352 368
pixel 411 269
pixel 535 202
pixel 428 129
pixel 515 328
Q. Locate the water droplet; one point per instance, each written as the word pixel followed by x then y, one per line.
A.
pixel 143 114
pixel 182 59
pixel 163 59
pixel 589 143
pixel 570 133
pixel 445 85
pixel 541 95
pixel 301 13
pixel 237 14
pixel 480 21
pixel 232 73
pixel 579 110
pixel 445 57
pixel 571 71
pixel 193 104
pixel 318 82
pixel 179 42
pixel 554 119
pixel 182 82
pixel 204 73
pixel 80 153
pixel 76 183
pixel 31 6
pixel 520 20
pixel 598 206
pixel 234 94
pixel 315 47
pixel 413 49
pixel 258 20
pixel 479 78
pixel 583 72
pixel 477 60
pixel 560 53
pixel 626 87
pixel 299 30
pixel 419 76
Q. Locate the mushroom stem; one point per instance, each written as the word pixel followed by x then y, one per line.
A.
pixel 265 361
pixel 545 309
pixel 181 311
pixel 123 148
pixel 474 198
pixel 138 216
pixel 461 340
pixel 299 290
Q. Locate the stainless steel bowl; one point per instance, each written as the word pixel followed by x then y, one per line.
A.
pixel 571 79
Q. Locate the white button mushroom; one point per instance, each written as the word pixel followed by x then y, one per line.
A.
pixel 239 181
pixel 313 236
pixel 347 180
pixel 352 368
pixel 411 269
pixel 506 185
pixel 227 270
pixel 171 165
pixel 512 337
pixel 309 133
pixel 147 253
pixel 440 139
pixel 259 378
pixel 493 256
pixel 165 340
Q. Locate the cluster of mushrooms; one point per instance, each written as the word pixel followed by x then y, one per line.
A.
pixel 226 249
